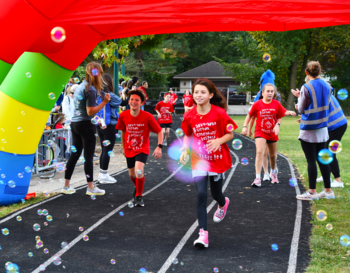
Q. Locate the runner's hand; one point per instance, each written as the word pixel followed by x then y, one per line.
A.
pixel 292 113
pixel 183 156
pixel 276 129
pixel 107 98
pixel 213 145
pixel 296 92
pixel 244 131
pixel 298 120
pixel 157 153
pixel 250 133
pixel 159 116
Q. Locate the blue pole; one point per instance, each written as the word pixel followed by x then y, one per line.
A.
pixel 123 70
pixel 116 71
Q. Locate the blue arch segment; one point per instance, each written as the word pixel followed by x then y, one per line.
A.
pixel 11 165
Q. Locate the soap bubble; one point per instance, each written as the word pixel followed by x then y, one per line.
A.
pixel 39 244
pixel 86 238
pixel 329 226
pixel 106 142
pixel 23 200
pixel 19 129
pixel 20 175
pixel 335 146
pixel 46 193
pixel 94 72
pixel 46 251
pixel 2 182
pixel 321 215
pixel 342 94
pixel 3 176
pixel 73 149
pixel 81 159
pixel 111 154
pixel 266 57
pixel 77 113
pixel 93 197
pixel 216 269
pixel 30 254
pixel 5 231
pixel 79 97
pixel 42 267
pixel 40 212
pixel 58 34
pixel 293 182
pixel 52 96
pixel 23 113
pixel 88 176
pixel 81 229
pixel 121 213
pixel 37 238
pixel 76 80
pixel 237 144
pixel 345 240
pixel 28 74
pixel 49 218
pixel 11 184
pixel 230 127
pixel 64 244
pixel 325 156
pixel 142 270
pixel 19 218
pixel 244 161
pixel 274 247
pixel 28 169
pixel 179 132
pixel 3 141
pixel 130 204
pixel 175 261
pixel 57 261
pixel 117 135
pixel 112 261
pixel 45 212
pixel 139 172
pixel 94 121
pixel 36 227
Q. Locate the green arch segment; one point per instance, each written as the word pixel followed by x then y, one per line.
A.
pixel 33 89
pixel 4 70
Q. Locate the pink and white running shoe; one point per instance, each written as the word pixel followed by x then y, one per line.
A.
pixel 274 179
pixel 203 240
pixel 257 182
pixel 219 214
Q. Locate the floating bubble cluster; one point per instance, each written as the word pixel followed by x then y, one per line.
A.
pixel 345 240
pixel 237 144
pixel 244 161
pixel 293 182
pixel 342 94
pixel 321 215
pixel 274 247
pixel 266 57
pixel 106 142
pixel 335 146
pixel 58 34
pixel 325 156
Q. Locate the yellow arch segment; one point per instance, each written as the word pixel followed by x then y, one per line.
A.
pixel 21 126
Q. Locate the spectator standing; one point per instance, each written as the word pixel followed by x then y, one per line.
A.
pixel 120 87
pixel 143 89
pixel 68 102
pixel 173 97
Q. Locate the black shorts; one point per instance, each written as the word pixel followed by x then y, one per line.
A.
pixel 165 125
pixel 267 141
pixel 130 161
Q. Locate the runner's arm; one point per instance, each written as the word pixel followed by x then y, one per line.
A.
pixel 214 144
pixel 246 121
pixel 251 124
pixel 158 151
pixel 122 138
pixel 94 110
pixel 276 129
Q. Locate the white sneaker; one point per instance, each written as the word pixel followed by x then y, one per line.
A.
pixel 105 178
pixel 69 190
pixel 307 196
pixel 336 184
pixel 266 177
pixel 165 143
pixel 95 191
pixel 327 195
pixel 320 179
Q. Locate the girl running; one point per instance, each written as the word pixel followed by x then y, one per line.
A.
pixel 269 113
pixel 207 128
pixel 164 109
pixel 187 100
pixel 135 125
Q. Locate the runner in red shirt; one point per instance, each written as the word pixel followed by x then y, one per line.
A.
pixel 164 109
pixel 269 114
pixel 187 100
pixel 173 97
pixel 208 127
pixel 135 125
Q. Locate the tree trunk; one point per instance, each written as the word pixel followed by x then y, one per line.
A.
pixel 302 71
pixel 292 82
pixel 138 55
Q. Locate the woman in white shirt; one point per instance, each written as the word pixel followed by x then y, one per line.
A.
pixel 68 102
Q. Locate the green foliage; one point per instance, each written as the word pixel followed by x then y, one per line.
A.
pixel 80 72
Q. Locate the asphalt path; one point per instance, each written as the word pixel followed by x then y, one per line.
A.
pixel 159 237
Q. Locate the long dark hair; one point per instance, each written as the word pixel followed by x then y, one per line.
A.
pixel 217 99
pixel 108 83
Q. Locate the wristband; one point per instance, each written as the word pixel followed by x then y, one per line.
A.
pixel 160 146
pixel 278 124
pixel 244 126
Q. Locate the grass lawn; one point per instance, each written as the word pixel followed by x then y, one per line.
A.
pixel 328 255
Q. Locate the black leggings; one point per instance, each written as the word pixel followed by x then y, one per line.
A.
pixel 311 153
pixel 202 194
pixel 106 134
pixel 337 134
pixel 83 134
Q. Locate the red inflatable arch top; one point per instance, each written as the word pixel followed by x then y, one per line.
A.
pixel 26 24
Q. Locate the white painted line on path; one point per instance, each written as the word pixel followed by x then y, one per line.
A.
pixel 189 233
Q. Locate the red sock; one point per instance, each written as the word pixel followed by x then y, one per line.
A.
pixel 140 182
pixel 133 179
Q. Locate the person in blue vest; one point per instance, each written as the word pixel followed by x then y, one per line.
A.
pixel 313 105
pixel 109 113
pixel 267 77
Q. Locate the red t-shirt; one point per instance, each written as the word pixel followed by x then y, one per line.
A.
pixel 188 100
pixel 144 90
pixel 204 128
pixel 162 108
pixel 173 97
pixel 267 116
pixel 137 131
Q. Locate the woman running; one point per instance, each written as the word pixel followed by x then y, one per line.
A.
pixel 207 128
pixel 136 125
pixel 269 113
pixel 313 106
pixel 187 100
pixel 83 131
